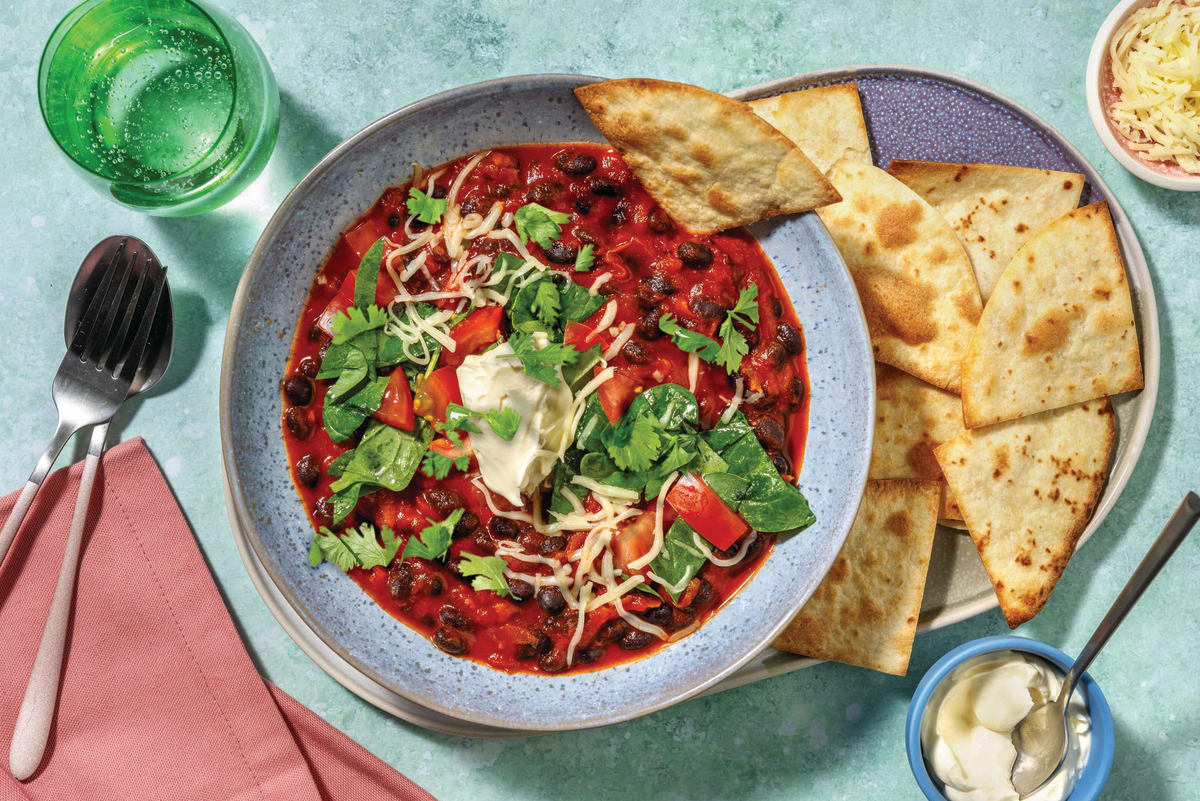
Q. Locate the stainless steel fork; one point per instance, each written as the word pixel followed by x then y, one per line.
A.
pixel 95 374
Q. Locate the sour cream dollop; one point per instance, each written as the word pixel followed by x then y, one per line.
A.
pixel 967 729
pixel 495 380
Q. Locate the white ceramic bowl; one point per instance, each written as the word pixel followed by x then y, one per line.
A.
pixel 1097 69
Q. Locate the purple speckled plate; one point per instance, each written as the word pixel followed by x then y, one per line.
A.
pixel 911 113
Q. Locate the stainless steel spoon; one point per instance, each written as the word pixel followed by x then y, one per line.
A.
pixel 1041 737
pixel 32 728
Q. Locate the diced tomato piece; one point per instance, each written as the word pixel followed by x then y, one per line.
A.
pixel 343 300
pixel 366 233
pixel 437 392
pixel 451 451
pixel 396 409
pixel 634 540
pixel 703 509
pixel 473 333
pixel 615 395
pixel 639 602
pixel 575 334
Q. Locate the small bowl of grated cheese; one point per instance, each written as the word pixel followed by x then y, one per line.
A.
pixel 1143 90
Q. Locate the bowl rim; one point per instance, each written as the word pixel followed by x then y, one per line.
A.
pixel 1097 64
pixel 1095 770
pixel 239 513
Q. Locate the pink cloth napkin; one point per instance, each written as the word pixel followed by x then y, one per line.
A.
pixel 159 700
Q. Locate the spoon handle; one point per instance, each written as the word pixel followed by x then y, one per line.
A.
pixel 32 729
pixel 1172 535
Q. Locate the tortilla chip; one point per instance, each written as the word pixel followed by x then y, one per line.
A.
pixel 865 611
pixel 993 208
pixel 912 274
pixel 1059 327
pixel 825 122
pixel 710 161
pixel 1027 489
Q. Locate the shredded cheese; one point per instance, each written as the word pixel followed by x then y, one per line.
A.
pixel 605 491
pixel 731 561
pixel 606 319
pixel 601 280
pixel 694 372
pixel 735 401
pixel 1155 57
pixel 624 336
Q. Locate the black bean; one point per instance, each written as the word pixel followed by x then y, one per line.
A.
pixel 544 192
pixel 503 528
pixel 474 205
pixel 603 187
pixel 561 253
pixel 694 254
pixel 450 616
pixel 394 220
pixel 659 222
pixel 399 582
pixel 544 643
pixel 307 470
pixel 323 514
pixel 439 253
pixel 661 285
pixel 611 631
pixel 789 337
pixel 444 501
pixel 781 462
pixel 586 237
pixel 647 326
pixel 433 586
pixel 553 662
pixel 483 538
pixel 620 214
pixel 635 353
pixel 583 205
pixel 553 545
pixel 551 600
pixel 776 307
pixel 298 389
pixel 298 422
pixel 324 348
pixel 467 525
pixel 522 590
pixel 680 619
pixel 703 596
pixel 588 655
pixel 577 164
pixel 439 191
pixel 796 393
pixel 309 367
pixel 704 307
pixel 636 639
pixel 769 432
pixel 316 333
pixel 450 641
pixel 503 190
pixel 658 615
pixel 775 353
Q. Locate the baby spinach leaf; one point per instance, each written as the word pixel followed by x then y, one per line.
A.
pixel 548 303
pixel 344 414
pixel 564 470
pixel 385 457
pixel 579 372
pixel 368 275
pixel 680 560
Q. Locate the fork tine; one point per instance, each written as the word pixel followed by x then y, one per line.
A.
pixel 83 331
pixel 132 358
pixel 113 349
pixel 101 340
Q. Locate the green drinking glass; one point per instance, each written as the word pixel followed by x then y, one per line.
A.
pixel 168 106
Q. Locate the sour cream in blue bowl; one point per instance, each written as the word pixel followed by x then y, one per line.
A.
pixel 965 708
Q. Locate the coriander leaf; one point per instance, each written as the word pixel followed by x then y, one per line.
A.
pixel 504 422
pixel 315 555
pixel 542 225
pixel 634 442
pixel 541 363
pixel 437 465
pixel 365 547
pixel 368 275
pixel 458 418
pixel 733 347
pixel 687 341
pixel 546 304
pixel 333 549
pixel 585 259
pixel 434 540
pixel 355 321
pixel 488 572
pixel 565 469
pixel 428 209
pixel 745 311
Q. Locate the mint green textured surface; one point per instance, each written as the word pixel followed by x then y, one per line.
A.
pixel 832 732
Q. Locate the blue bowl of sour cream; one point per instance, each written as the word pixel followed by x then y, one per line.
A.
pixel 964 706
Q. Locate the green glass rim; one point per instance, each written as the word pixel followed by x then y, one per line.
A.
pixel 64 26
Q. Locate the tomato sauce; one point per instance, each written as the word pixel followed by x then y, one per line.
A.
pixel 637 246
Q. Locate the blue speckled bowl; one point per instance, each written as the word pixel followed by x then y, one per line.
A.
pixel 269 298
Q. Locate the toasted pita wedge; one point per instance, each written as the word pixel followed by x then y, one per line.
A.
pixel 1058 328
pixel 1027 489
pixel 710 161
pixel 912 274
pixel 865 611
pixel 826 122
pixel 911 419
pixel 993 208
